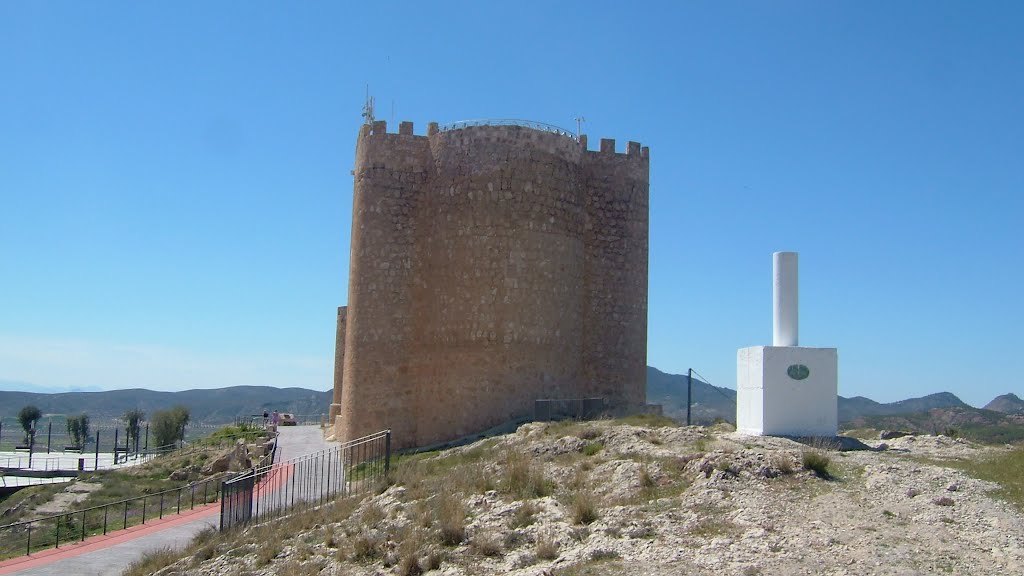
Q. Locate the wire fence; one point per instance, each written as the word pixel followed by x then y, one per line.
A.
pixel 508 122
pixel 31 536
pixel 272 490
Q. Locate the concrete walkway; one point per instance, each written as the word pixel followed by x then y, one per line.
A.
pixel 110 555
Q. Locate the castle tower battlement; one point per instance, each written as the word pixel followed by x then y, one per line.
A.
pixel 491 265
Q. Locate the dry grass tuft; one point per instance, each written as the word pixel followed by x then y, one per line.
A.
pixel 547 546
pixel 523 479
pixel 365 548
pixel 583 507
pixel 450 513
pixel 524 515
pixel 486 544
pixel 151 562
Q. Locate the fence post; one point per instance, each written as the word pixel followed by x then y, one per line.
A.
pixel 147 437
pixel 115 445
pixel 96 464
pixel 49 434
pixel 387 453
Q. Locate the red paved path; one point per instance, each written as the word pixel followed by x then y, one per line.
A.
pixel 94 543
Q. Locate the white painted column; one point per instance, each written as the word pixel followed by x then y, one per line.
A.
pixel 785 300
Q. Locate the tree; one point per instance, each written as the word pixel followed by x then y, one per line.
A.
pixel 27 416
pixel 169 425
pixel 132 419
pixel 78 429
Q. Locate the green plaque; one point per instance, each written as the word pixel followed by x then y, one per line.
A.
pixel 798 371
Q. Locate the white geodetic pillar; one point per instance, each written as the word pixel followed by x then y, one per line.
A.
pixel 785 300
pixel 786 389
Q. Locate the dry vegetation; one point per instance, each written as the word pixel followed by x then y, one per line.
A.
pixel 650 500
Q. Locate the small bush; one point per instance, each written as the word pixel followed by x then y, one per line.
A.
pixel 943 501
pixel 592 448
pixel 818 462
pixel 589 433
pixel 547 546
pixel 646 479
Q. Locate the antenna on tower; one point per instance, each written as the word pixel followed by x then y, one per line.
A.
pixel 368 107
pixel 579 125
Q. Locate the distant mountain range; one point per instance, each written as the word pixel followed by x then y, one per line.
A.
pixel 217 405
pixel 711 402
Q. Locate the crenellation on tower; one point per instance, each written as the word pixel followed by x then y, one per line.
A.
pixel 405 128
pixel 633 148
pixel 608 145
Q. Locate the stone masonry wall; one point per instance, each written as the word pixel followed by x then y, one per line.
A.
pixel 339 365
pixel 491 266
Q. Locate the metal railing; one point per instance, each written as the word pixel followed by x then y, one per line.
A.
pixel 508 122
pixel 29 536
pixel 272 490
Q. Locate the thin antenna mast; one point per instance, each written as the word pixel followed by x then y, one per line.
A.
pixel 368 107
pixel 579 125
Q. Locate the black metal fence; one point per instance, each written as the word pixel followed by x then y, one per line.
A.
pixel 508 122
pixel 30 536
pixel 272 490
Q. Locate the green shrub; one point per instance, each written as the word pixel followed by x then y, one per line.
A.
pixel 817 461
pixel 592 448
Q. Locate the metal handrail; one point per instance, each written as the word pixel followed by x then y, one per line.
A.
pixel 508 122
pixel 79 531
pixel 273 489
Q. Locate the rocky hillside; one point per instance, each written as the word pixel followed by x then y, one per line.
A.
pixel 1007 404
pixel 611 498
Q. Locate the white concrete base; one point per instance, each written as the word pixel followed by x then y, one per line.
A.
pixel 787 391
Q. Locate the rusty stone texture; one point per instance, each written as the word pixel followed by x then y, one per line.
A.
pixel 491 266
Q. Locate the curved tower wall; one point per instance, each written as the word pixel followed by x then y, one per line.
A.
pixel 390 174
pixel 615 293
pixel 499 314
pixel 491 266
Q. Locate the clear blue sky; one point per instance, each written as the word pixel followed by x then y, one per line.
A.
pixel 175 197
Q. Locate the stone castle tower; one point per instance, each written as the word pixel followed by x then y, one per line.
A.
pixel 492 264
